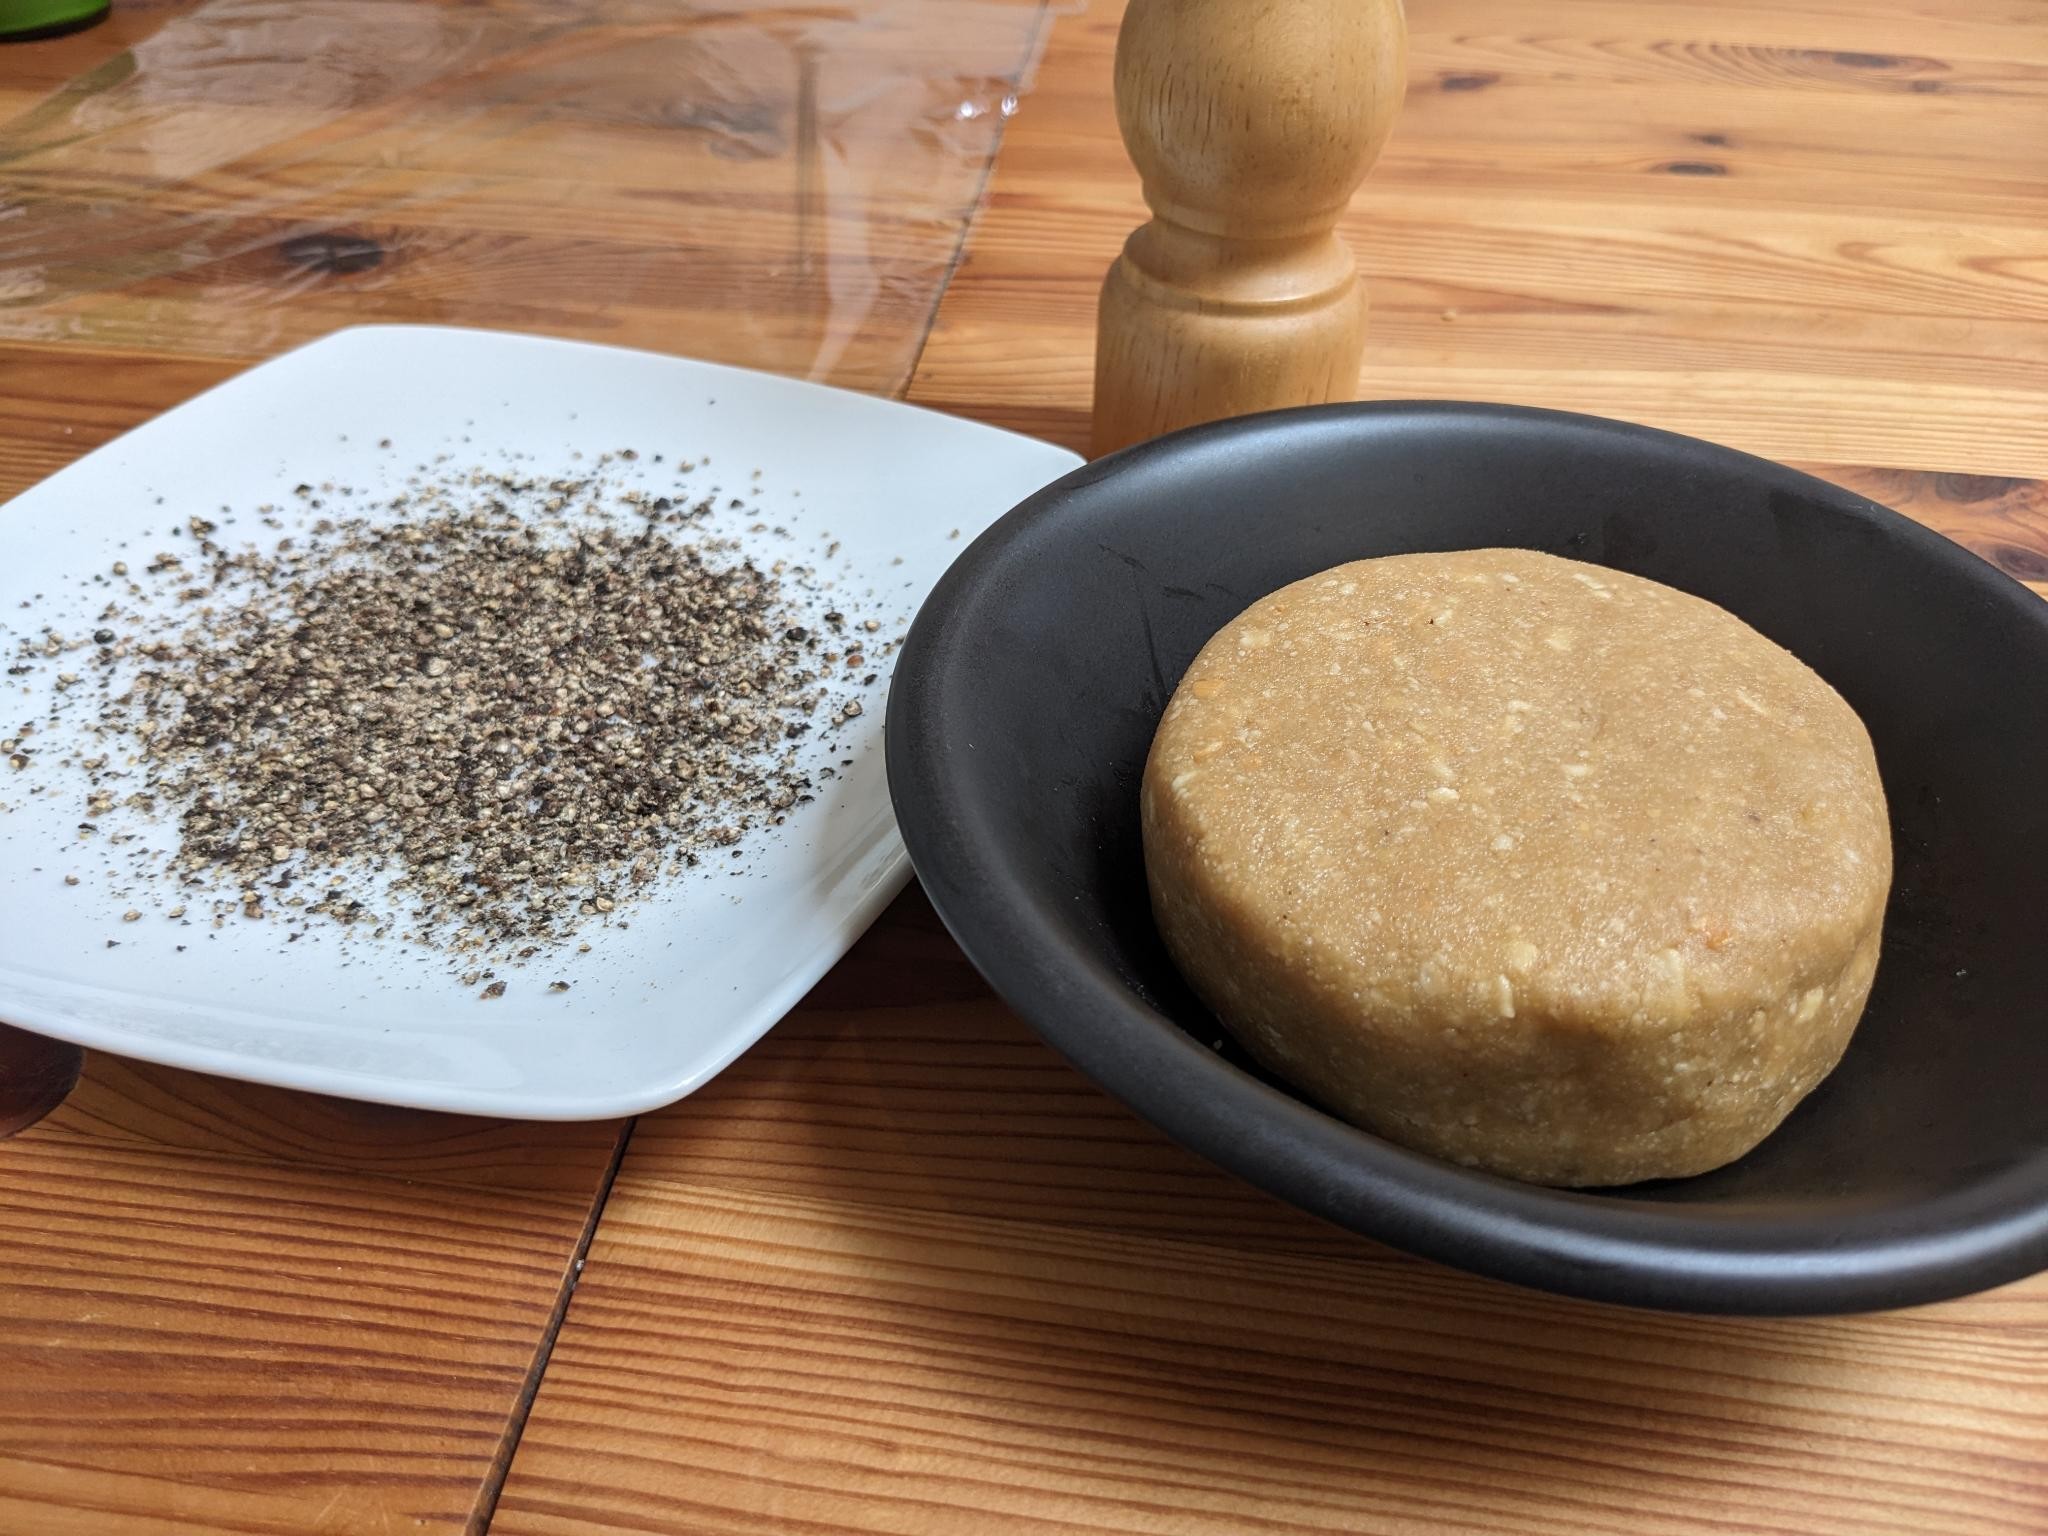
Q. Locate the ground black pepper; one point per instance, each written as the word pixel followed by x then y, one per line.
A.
pixel 516 701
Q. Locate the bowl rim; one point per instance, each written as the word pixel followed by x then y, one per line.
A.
pixel 1679 1257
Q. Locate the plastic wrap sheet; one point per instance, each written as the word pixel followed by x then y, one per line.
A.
pixel 781 185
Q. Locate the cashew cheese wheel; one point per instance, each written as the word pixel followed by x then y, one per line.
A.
pixel 1528 864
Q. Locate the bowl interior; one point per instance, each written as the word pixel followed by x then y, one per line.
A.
pixel 1049 652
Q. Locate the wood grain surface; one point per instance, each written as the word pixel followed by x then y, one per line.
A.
pixel 239 1309
pixel 902 1270
pixel 783 186
pixel 1814 230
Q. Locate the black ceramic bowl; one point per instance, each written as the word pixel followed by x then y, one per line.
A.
pixel 1028 692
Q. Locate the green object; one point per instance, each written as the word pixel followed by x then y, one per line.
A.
pixel 24 19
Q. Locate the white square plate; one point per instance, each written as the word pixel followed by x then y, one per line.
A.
pixel 714 958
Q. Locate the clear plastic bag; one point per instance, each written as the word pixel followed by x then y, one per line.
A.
pixel 782 185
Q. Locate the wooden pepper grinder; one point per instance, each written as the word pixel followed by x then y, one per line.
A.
pixel 1251 122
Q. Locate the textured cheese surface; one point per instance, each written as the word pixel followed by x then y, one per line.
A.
pixel 1531 864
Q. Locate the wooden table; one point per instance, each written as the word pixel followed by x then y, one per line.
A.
pixel 900 1269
